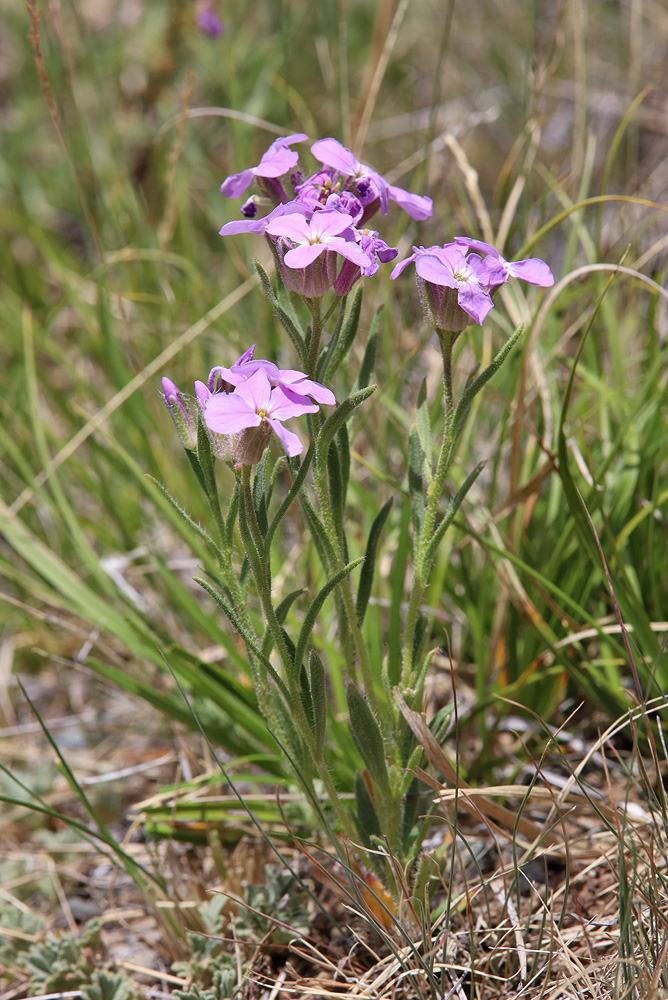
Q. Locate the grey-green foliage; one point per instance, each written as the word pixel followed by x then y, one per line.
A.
pixel 208 957
pixel 279 894
pixel 14 919
pixel 62 962
pixel 224 986
pixel 106 985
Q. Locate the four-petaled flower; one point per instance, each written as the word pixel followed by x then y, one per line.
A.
pixel 298 383
pixel 253 411
pixel 327 230
pixel 532 270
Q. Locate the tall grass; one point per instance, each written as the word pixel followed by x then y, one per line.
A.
pixel 531 127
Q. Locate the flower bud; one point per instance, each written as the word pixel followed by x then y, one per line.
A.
pixel 180 410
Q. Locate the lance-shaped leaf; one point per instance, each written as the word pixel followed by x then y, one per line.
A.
pixel 281 615
pixel 247 638
pixel 342 340
pixel 318 686
pixel 452 509
pixel 297 484
pixel 337 419
pixel 369 360
pixel 279 312
pixel 368 739
pixel 367 818
pixel 314 610
pixel 335 484
pixel 416 463
pixel 423 427
pixel 206 461
pixel 474 386
pixel 366 575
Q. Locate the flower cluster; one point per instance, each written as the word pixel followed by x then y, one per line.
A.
pixel 326 218
pixel 457 285
pixel 242 405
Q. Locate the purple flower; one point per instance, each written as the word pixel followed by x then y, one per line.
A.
pixel 278 160
pixel 309 265
pixel 445 270
pixel 253 411
pixel 325 231
pixel 179 407
pixel 298 383
pixel 207 20
pixel 368 186
pixel 533 270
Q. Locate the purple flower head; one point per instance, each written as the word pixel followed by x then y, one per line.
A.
pixel 533 270
pixel 277 161
pixel 369 187
pixel 207 20
pixel 298 383
pixel 310 249
pixel 180 410
pixel 316 189
pixel 454 286
pixel 253 411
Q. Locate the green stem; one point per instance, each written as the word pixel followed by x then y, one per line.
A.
pixel 259 560
pixel 348 624
pixel 314 340
pixel 422 560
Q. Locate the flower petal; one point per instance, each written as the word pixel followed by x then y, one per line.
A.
pixel 416 205
pixel 333 154
pixel 474 300
pixel 295 227
pixel 302 256
pixel 291 443
pixel 235 185
pixel 533 270
pixel 229 413
pixel 434 269
pixel 285 404
pixel 255 391
pixel 302 386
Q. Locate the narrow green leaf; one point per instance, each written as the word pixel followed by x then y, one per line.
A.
pixel 278 311
pixel 314 610
pixel 291 495
pixel 368 738
pixel 343 442
pixel 247 638
pixel 369 360
pixel 305 698
pixel 318 698
pixel 452 509
pixel 416 462
pixel 335 484
pixel 473 387
pixel 367 818
pixel 206 460
pixel 343 343
pixel 281 614
pixel 192 524
pixel 318 533
pixel 423 426
pixel 336 420
pixel 398 577
pixel 366 574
